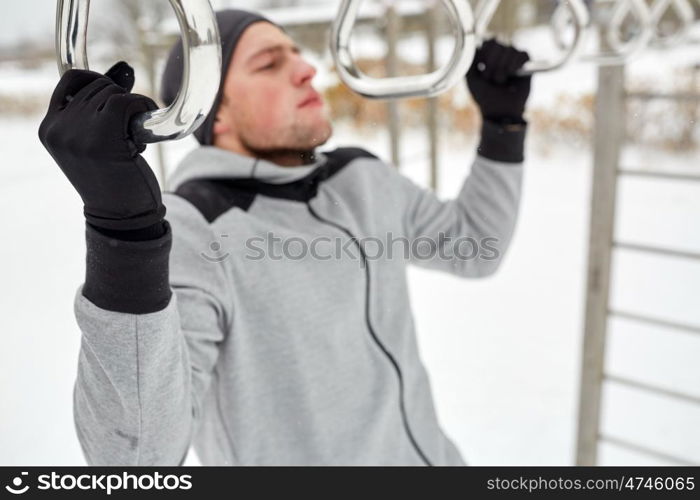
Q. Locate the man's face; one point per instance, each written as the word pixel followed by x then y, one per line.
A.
pixel 268 103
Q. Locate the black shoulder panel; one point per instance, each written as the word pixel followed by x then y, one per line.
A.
pixel 213 197
pixel 343 156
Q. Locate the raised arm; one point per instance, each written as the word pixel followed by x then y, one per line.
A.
pixel 149 335
pixel 469 235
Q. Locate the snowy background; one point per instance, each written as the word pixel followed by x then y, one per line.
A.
pixel 503 354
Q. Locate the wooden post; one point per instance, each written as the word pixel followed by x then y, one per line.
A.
pixel 505 20
pixel 432 104
pixel 393 28
pixel 692 109
pixel 609 134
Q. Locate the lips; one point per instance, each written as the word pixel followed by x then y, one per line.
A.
pixel 313 99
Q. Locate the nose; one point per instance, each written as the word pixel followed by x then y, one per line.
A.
pixel 303 73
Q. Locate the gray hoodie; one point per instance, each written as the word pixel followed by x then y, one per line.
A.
pixel 288 337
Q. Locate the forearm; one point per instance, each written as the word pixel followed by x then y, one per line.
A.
pixel 471 232
pixel 487 211
pixel 132 395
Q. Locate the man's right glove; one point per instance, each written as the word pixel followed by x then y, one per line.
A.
pixel 128 240
pixel 86 131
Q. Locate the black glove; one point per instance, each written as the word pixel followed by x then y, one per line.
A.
pixel 500 94
pixel 86 131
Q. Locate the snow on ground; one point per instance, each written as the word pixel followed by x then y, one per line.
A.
pixel 503 353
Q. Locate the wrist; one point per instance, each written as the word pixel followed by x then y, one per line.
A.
pixel 127 276
pixel 142 221
pixel 151 232
pixel 503 142
pixel 505 120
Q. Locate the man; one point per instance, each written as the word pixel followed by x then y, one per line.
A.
pixel 196 330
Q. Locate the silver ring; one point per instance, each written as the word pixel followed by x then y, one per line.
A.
pixel 426 85
pixel 201 72
pixel 579 14
pixel 623 51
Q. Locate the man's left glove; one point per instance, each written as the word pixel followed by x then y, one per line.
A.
pixel 501 95
pixel 499 92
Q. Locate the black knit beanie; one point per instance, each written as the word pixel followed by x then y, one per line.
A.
pixel 232 23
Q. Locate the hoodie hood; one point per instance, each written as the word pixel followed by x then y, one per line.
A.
pixel 211 162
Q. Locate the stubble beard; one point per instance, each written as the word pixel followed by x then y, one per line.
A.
pixel 299 140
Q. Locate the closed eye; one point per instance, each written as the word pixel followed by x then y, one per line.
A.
pixel 268 66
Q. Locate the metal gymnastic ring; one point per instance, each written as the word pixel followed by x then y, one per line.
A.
pixel 624 51
pixel 579 14
pixel 201 72
pixel 686 15
pixel 426 85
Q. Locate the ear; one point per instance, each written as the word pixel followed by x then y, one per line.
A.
pixel 220 127
pixel 220 124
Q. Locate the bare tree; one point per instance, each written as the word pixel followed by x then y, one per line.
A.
pixel 135 32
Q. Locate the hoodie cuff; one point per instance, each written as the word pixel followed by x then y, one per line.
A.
pixel 503 142
pixel 127 276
